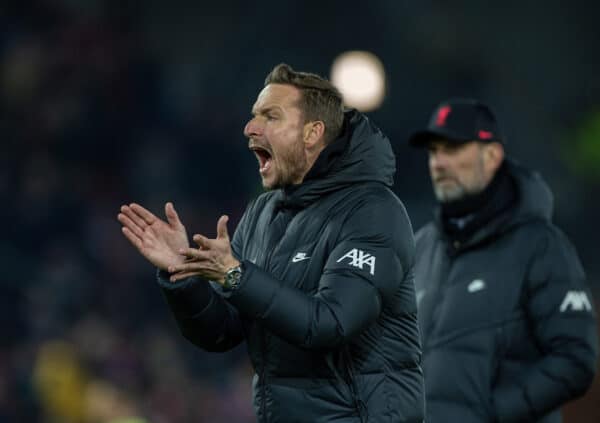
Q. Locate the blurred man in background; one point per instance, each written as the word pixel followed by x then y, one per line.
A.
pixel 318 276
pixel 506 317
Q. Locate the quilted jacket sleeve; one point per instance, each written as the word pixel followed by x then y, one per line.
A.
pixel 560 309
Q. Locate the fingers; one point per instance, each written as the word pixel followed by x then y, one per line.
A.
pixel 203 242
pixel 222 234
pixel 193 266
pixel 172 216
pixel 180 276
pixel 136 241
pixel 130 225
pixel 195 254
pixel 199 264
pixel 222 227
pixel 144 214
pixel 133 217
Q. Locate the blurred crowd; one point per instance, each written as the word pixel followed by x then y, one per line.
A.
pixel 90 119
pixel 85 334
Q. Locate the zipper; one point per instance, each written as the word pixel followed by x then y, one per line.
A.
pixel 263 341
pixel 436 301
pixel 279 239
pixel 348 380
pixel 359 404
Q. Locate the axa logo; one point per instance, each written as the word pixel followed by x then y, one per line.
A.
pixel 300 257
pixel 358 258
pixel 576 301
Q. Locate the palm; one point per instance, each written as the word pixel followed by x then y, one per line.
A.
pixel 157 240
pixel 162 243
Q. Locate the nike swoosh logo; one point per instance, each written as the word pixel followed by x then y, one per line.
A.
pixel 298 258
pixel 476 285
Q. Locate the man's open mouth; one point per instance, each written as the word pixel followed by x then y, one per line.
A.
pixel 264 156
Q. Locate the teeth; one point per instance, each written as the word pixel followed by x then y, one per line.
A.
pixel 265 166
pixel 264 157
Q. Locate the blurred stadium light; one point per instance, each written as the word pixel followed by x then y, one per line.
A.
pixel 360 77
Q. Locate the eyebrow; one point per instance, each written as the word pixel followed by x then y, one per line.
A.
pixel 266 110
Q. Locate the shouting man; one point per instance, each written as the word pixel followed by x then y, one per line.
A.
pixel 317 278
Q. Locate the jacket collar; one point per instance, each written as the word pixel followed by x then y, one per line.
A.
pixel 361 153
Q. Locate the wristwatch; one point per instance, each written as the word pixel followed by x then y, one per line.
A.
pixel 233 278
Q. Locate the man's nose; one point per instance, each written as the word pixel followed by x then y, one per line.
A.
pixel 437 159
pixel 252 128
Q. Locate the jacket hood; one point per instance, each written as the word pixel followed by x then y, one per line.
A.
pixel 362 153
pixel 534 202
pixel 535 198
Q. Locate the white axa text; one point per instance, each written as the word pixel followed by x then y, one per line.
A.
pixel 358 258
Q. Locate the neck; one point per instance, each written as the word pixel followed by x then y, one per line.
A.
pixel 311 157
pixel 325 158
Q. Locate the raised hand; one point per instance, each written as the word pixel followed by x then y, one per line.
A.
pixel 157 240
pixel 211 261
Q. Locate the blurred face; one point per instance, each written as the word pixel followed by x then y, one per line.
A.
pixel 275 136
pixel 458 170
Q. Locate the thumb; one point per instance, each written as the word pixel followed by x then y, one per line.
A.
pixel 222 227
pixel 172 216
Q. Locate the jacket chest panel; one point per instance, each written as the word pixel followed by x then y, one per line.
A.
pixel 473 291
pixel 297 253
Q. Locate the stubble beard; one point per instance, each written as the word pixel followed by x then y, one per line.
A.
pixel 459 190
pixel 290 167
pixel 447 194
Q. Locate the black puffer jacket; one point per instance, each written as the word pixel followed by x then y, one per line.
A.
pixel 326 302
pixel 506 318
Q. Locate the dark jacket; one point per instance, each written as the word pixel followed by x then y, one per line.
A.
pixel 326 301
pixel 506 318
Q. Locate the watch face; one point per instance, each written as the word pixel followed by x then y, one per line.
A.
pixel 232 278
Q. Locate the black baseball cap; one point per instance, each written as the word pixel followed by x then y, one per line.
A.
pixel 460 120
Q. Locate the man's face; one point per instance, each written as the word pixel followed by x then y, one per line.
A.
pixel 275 135
pixel 457 170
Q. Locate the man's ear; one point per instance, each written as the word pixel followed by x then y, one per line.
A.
pixel 313 133
pixel 493 156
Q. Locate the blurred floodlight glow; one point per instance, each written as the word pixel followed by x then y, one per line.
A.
pixel 360 77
